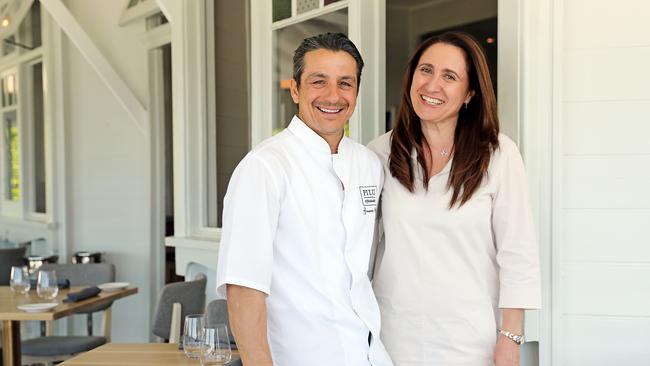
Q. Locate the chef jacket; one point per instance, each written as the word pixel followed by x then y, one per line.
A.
pixel 298 225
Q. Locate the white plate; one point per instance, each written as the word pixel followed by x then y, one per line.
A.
pixel 112 286
pixel 38 307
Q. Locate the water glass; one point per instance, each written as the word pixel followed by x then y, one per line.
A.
pixel 192 335
pixel 46 286
pixel 215 345
pixel 19 280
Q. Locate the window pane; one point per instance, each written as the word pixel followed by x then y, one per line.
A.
pixel 9 97
pixel 287 39
pixel 29 31
pixel 228 130
pixel 303 6
pixel 281 9
pixel 156 20
pixel 8 45
pixel 12 162
pixel 39 139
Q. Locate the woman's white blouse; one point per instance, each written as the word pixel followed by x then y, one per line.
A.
pixel 441 273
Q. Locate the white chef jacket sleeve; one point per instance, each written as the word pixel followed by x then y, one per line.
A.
pixel 250 218
pixel 512 224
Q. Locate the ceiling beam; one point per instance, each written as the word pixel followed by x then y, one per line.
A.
pixel 99 63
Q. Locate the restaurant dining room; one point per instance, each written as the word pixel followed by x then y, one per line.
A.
pixel 123 121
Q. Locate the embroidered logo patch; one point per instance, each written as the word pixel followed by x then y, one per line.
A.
pixel 368 198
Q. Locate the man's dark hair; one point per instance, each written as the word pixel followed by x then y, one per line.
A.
pixel 327 41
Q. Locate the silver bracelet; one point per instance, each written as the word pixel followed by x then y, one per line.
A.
pixel 517 338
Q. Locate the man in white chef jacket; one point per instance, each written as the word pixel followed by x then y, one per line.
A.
pixel 298 223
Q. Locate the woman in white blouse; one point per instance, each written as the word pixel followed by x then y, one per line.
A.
pixel 458 262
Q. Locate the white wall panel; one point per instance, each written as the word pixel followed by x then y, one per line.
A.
pixel 596 341
pixel 606 235
pixel 606 289
pixel 108 176
pixel 606 181
pixel 603 198
pixel 607 74
pixel 620 127
pixel 597 24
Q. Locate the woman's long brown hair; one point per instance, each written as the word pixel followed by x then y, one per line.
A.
pixel 477 131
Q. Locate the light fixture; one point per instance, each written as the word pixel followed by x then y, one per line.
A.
pixel 489 40
pixel 5 22
pixel 11 86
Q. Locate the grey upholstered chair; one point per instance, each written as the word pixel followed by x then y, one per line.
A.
pixel 177 300
pixel 217 313
pixel 10 257
pixel 58 348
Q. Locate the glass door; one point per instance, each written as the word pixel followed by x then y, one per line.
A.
pixel 287 35
pixel 278 27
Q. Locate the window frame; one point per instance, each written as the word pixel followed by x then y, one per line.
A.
pixel 8 207
pixel 190 118
pixel 29 198
pixel 20 62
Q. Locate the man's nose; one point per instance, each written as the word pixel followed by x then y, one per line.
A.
pixel 333 93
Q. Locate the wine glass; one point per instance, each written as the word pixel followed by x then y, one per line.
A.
pixel 46 286
pixel 215 345
pixel 20 280
pixel 192 335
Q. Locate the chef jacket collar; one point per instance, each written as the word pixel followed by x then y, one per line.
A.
pixel 312 139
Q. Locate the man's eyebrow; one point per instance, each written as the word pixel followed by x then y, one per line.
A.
pixel 348 78
pixel 317 75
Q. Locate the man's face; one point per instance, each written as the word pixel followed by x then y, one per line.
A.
pixel 328 91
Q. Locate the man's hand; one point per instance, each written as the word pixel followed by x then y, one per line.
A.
pixel 247 314
pixel 506 352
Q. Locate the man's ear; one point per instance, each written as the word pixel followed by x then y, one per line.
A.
pixel 295 94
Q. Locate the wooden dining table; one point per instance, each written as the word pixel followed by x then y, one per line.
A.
pixel 136 354
pixel 11 316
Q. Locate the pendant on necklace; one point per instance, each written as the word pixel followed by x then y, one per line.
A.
pixel 444 153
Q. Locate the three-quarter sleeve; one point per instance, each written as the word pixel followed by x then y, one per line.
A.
pixel 250 218
pixel 514 234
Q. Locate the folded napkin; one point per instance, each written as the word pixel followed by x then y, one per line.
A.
pixel 65 283
pixel 82 294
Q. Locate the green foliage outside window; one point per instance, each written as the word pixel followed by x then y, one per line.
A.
pixel 14 164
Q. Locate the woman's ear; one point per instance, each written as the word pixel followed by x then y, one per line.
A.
pixel 470 94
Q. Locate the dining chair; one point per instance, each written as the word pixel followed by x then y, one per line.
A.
pixel 177 300
pixel 217 313
pixel 48 348
pixel 10 257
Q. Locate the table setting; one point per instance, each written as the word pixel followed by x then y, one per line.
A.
pixel 49 298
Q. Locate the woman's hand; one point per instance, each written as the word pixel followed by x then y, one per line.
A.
pixel 506 352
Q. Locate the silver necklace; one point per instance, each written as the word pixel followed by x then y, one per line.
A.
pixel 444 153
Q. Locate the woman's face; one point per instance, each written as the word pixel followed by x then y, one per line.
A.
pixel 440 84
